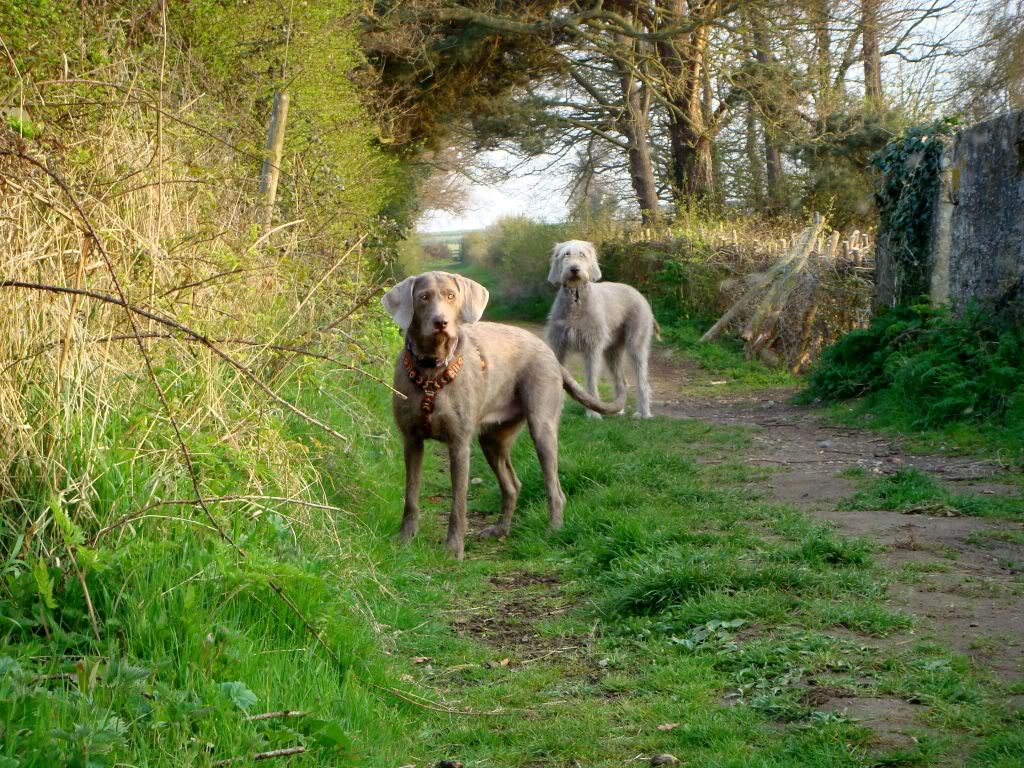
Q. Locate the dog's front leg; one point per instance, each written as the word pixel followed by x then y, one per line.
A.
pixel 413 474
pixel 458 455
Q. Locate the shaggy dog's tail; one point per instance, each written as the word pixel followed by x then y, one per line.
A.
pixel 584 398
pixel 657 329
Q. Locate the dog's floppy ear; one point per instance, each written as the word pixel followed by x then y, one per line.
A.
pixel 595 269
pixel 398 302
pixel 555 273
pixel 474 299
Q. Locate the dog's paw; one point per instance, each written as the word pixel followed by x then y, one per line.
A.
pixel 497 531
pixel 405 534
pixel 639 415
pixel 593 415
pixel 455 549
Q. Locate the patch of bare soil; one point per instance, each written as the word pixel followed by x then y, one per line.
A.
pixel 510 623
pixel 892 721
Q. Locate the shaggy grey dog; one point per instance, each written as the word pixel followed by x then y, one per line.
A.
pixel 602 321
pixel 458 378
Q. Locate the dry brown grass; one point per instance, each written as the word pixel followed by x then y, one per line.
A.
pixel 126 195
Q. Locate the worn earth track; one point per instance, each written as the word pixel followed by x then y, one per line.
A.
pixel 967 592
pixel 967 589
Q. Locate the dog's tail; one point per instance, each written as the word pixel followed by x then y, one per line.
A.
pixel 657 329
pixel 584 398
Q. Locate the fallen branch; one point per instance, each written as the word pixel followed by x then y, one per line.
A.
pixel 758 283
pixel 275 715
pixel 262 756
pixel 419 701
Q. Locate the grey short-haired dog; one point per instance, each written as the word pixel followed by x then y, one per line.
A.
pixel 458 378
pixel 602 321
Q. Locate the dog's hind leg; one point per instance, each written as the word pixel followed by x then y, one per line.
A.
pixel 458 456
pixel 640 354
pixel 413 474
pixel 613 363
pixel 544 431
pixel 497 446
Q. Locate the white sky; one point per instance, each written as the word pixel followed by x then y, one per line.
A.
pixel 530 192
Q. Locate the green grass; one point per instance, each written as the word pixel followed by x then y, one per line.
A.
pixel 670 588
pixel 910 490
pixel 674 594
pixel 724 359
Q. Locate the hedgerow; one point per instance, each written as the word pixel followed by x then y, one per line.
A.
pixel 936 368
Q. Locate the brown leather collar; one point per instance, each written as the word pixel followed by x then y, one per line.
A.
pixel 430 385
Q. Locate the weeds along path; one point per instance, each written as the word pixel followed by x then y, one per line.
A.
pixel 715 596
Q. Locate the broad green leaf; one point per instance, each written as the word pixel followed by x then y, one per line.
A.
pixel 239 693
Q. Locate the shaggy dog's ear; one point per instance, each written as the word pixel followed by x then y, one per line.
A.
pixel 555 273
pixel 595 270
pixel 398 303
pixel 474 299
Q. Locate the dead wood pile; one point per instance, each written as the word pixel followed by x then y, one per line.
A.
pixel 796 304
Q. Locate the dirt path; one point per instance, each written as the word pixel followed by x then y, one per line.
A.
pixel 954 575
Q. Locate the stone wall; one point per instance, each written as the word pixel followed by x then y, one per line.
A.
pixel 977 225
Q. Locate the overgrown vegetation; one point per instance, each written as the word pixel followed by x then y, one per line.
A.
pixel 175 556
pixel 906 194
pixel 918 368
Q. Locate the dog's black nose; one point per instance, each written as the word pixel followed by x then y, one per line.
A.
pixel 440 323
pixel 574 270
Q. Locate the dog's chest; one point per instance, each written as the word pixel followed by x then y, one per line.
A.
pixel 577 324
pixel 448 412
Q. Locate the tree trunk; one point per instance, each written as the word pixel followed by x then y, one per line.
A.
pixel 871 54
pixel 824 90
pixel 635 126
pixel 690 133
pixel 754 159
pixel 693 166
pixel 773 170
pixel 772 153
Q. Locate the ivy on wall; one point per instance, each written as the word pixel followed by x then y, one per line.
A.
pixel 910 168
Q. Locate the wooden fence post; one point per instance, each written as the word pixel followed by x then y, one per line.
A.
pixel 275 149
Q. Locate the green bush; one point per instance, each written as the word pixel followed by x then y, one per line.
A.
pixel 520 250
pixel 676 274
pixel 936 368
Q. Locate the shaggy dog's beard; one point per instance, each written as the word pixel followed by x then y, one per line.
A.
pixel 574 285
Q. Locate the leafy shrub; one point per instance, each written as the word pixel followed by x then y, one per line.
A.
pixel 678 274
pixel 941 368
pixel 520 250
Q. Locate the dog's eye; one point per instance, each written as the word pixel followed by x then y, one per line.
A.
pixel 451 297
